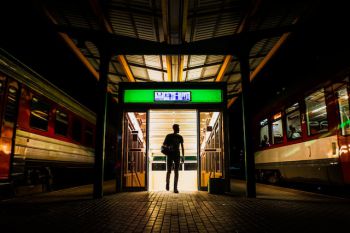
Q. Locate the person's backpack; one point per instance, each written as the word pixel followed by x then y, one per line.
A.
pixel 165 150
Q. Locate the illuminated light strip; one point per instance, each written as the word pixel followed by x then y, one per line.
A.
pixel 211 123
pixel 318 109
pixel 135 123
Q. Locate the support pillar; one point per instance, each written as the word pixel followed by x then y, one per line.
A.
pixel 100 143
pixel 227 150
pixel 120 159
pixel 247 125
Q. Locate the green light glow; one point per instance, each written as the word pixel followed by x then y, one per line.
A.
pixel 197 96
pixel 345 124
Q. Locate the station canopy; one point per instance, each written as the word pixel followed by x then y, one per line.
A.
pixel 176 40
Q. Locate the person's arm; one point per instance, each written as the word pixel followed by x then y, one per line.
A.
pixel 165 143
pixel 183 153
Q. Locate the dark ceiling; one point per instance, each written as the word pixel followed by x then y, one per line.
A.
pixel 61 36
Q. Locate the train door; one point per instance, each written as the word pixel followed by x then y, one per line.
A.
pixel 8 116
pixel 342 94
pixel 134 151
pixel 211 147
pixel 160 124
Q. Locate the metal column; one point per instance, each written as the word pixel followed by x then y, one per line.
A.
pixel 247 127
pixel 227 153
pixel 102 103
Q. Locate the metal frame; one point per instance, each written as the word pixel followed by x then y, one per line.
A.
pixel 199 107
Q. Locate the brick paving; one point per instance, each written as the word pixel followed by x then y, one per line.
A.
pixel 169 212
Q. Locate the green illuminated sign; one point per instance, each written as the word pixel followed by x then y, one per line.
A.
pixel 193 96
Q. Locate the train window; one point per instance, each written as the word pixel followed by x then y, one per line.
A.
pixel 264 133
pixel 61 123
pixel 316 112
pixel 39 114
pixel 89 136
pixel 76 130
pixel 11 105
pixel 277 129
pixel 343 103
pixel 293 122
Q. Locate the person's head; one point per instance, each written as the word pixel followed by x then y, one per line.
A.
pixel 176 128
pixel 292 128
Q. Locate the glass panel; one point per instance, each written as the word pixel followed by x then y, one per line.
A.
pixel 76 130
pixel 264 133
pixel 211 147
pixel 277 129
pixel 134 150
pixel 61 123
pixel 39 114
pixel 316 112
pixel 343 103
pixel 293 122
pixel 89 136
pixel 11 105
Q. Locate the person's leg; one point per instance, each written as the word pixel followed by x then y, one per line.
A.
pixel 169 163
pixel 176 171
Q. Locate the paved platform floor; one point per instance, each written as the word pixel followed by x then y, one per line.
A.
pixel 274 210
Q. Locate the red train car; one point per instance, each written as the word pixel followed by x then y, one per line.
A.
pixel 42 128
pixel 307 138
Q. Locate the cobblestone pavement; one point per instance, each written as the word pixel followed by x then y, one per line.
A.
pixel 169 212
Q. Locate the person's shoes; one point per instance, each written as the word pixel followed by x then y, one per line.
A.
pixel 167 187
pixel 176 191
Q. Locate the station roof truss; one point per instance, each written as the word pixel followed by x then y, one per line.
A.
pixel 176 41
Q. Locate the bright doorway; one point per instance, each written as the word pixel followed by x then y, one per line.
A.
pixel 160 124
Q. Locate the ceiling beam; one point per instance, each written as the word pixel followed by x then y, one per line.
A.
pixel 202 12
pixel 73 47
pixel 146 67
pixel 270 54
pixel 126 68
pixel 231 101
pixel 165 20
pixel 139 11
pixel 183 36
pixel 181 68
pixel 264 61
pixel 242 27
pixel 215 46
pixel 96 8
pixel 223 68
pixel 169 67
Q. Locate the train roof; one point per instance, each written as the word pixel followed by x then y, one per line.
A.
pixel 11 66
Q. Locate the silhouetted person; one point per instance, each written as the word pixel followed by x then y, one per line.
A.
pixel 173 142
pixel 265 141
